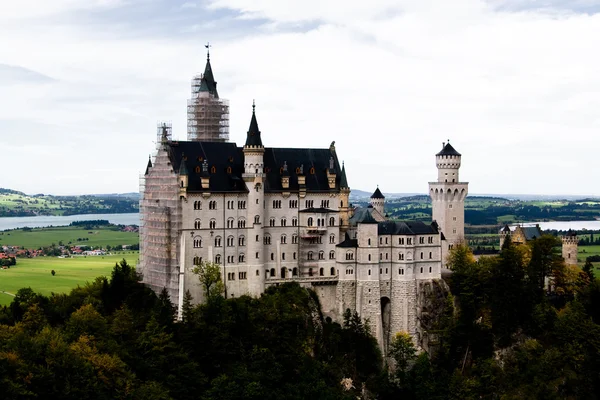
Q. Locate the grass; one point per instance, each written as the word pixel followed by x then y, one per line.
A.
pixel 70 272
pixel 39 237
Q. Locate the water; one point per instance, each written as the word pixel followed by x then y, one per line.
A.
pixel 43 221
pixel 566 225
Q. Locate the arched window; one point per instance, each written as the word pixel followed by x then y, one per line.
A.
pixel 369 242
pixel 331 255
pixel 241 223
pixel 332 238
pixel 283 222
pixel 197 205
pixel 321 272
pixel 318 221
pixel 267 239
pixel 332 271
pixel 272 222
pixel 349 255
pixel 257 219
pixel 295 272
pixel 369 260
pixel 321 255
pixel 310 273
pixel 230 241
pixel 241 258
pixel 331 221
pixel 310 221
pixel 197 260
pixel 197 242
pixel 230 222
pixel 283 272
pixel 272 272
pixel 310 255
pixel 241 241
pixel 218 259
pixel 212 224
pixel 401 256
pixel 283 239
pixel 213 170
pixel 218 241
pixel 197 224
pixel 430 255
pixel 294 239
pixel 294 221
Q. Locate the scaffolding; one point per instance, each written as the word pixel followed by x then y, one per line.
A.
pixel 160 220
pixel 207 115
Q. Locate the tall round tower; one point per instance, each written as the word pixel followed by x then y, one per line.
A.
pixel 569 247
pixel 448 195
pixel 254 152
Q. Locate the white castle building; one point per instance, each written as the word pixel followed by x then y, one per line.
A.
pixel 274 215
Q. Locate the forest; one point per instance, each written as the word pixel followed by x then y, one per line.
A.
pixel 521 325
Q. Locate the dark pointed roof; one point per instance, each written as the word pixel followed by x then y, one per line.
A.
pixel 348 243
pixel 208 83
pixel 148 166
pixel 377 194
pixel 506 229
pixel 344 181
pixel 253 137
pixel 571 233
pixel 448 150
pixel 362 216
pixel 182 168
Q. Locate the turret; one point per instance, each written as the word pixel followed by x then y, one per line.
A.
pixel 254 177
pixel 448 163
pixel 344 201
pixel 504 235
pixel 569 247
pixel 183 178
pixel 378 201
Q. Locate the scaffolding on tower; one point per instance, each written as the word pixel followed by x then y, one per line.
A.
pixel 207 115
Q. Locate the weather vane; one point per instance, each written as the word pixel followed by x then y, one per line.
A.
pixel 208 46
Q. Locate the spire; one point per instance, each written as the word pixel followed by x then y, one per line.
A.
pixel 377 194
pixel 149 165
pixel 182 168
pixel 253 137
pixel 448 150
pixel 343 181
pixel 208 83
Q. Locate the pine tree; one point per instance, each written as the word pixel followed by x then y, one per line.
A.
pixel 588 268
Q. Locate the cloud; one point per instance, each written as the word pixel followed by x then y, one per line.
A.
pixel 514 87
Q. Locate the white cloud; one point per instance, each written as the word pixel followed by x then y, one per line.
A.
pixel 515 89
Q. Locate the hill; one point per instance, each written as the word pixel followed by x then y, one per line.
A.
pixel 18 204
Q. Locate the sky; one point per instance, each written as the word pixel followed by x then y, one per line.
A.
pixel 514 85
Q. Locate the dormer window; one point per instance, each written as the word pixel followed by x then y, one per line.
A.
pixel 228 170
pixel 312 170
pixel 213 169
pixel 197 169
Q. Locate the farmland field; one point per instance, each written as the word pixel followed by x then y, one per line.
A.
pixel 39 237
pixel 70 272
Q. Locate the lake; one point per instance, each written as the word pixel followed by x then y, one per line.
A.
pixel 565 225
pixel 43 221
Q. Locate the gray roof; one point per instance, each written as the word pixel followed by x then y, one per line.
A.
pixel 348 242
pixel 406 228
pixel 531 232
pixel 448 150
pixel 363 216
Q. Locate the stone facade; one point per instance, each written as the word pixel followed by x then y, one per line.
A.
pixel 569 248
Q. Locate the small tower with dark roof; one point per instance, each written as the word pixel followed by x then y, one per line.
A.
pixel 570 242
pixel 448 195
pixel 183 178
pixel 378 201
pixel 344 201
pixel 504 235
pixel 254 178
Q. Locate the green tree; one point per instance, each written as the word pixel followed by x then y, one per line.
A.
pixel 209 275
pixel 588 269
pixel 404 352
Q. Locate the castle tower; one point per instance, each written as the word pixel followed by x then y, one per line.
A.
pixel 207 114
pixel 504 235
pixel 254 176
pixel 344 201
pixel 569 247
pixel 448 195
pixel 378 201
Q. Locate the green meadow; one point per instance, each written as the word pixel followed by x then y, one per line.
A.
pixel 70 272
pixel 40 237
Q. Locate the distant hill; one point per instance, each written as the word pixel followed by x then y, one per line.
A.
pixel 18 204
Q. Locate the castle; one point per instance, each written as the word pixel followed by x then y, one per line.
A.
pixel 274 215
pixel 523 234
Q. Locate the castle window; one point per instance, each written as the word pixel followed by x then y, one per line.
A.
pixel 421 255
pixel 197 205
pixel 294 255
pixel 449 205
pixel 283 222
pixel 331 238
pixel 430 255
pixel 369 260
pixel 283 256
pixel 228 170
pixel 231 276
pixel 242 223
pixel 294 239
pixel 321 255
pixel 230 223
pixel 310 221
pixel 197 242
pixel 380 240
pixel 242 275
pixel 429 269
pixel 368 242
pixel 197 260
pixel 331 221
pixel 321 272
pixel 349 255
pixel 197 224
pixel 272 256
pixel 267 239
pixel 230 241
pixel 197 169
pixel 386 256
pixel 256 256
pixel 454 230
pixel 430 239
pixel 283 239
pixel 294 221
pixel 401 271
pixel 213 170
pixel 272 222
pixel 369 272
pixel 257 273
pixel 272 272
pixel 380 256
pixel 400 240
pixel 276 203
pixel 310 272
pixel 421 240
pixel 293 203
pixel 421 269
pixel 257 219
pixel 409 241
pixel 218 259
pixel 324 203
pixel 218 241
pixel 453 218
pixel 332 271
pixel 283 272
pixel 386 240
pixel 401 256
pixel 386 270
pixel 308 203
pixel 310 255
pixel 212 224
pixel 312 170
pixel 331 255
pixel 295 271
